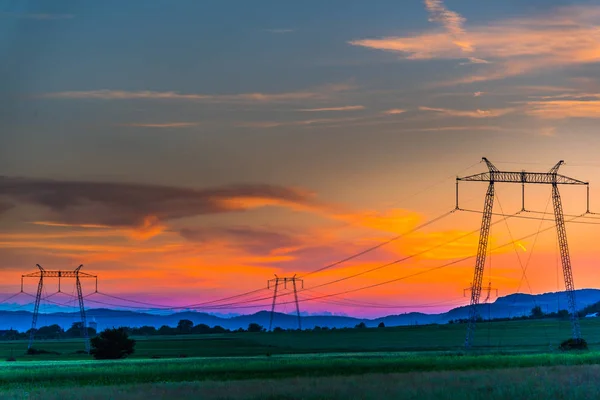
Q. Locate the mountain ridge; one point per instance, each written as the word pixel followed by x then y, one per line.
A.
pixel 516 304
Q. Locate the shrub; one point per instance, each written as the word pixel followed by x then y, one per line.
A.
pixel 32 351
pixel 112 344
pixel 254 327
pixel 573 344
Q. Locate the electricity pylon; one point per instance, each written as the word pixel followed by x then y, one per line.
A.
pixel 276 281
pixel 77 274
pixel 549 178
pixel 488 289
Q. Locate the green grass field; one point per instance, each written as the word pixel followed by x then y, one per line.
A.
pixel 198 365
pixel 512 336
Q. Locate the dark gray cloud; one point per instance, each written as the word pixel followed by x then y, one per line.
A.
pixel 254 241
pixel 127 204
pixel 4 206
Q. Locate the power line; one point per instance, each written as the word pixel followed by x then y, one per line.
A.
pixel 534 218
pixel 379 245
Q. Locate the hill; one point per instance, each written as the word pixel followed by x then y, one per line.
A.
pixel 508 306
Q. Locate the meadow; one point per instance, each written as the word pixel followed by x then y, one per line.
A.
pixel 511 336
pixel 391 362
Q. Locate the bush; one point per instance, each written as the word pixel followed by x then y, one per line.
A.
pixel 32 351
pixel 573 344
pixel 254 327
pixel 112 344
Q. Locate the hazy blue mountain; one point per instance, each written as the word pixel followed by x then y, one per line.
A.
pixel 508 306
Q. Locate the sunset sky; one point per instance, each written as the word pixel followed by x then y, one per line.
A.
pixel 187 151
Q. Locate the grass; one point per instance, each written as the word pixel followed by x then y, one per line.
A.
pixel 316 362
pixel 78 373
pixel 574 383
pixel 512 336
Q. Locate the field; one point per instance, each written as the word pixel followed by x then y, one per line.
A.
pixel 390 362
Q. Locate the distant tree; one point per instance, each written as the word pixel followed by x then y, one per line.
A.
pixel 381 325
pixel 144 331
pixel 277 329
pixel 50 332
pixel 112 344
pixel 254 327
pixel 185 326
pixel 536 312
pixel 166 330
pixel 317 328
pixel 201 329
pixel 219 329
pixel 564 314
pixel 75 330
pixel 362 325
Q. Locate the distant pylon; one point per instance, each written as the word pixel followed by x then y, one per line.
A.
pixel 276 282
pixel 77 274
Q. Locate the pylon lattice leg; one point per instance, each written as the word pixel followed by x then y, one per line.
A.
pixel 36 310
pixel 297 305
pixel 480 263
pixel 273 306
pixel 566 261
pixel 84 331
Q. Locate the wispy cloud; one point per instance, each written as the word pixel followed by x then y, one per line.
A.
pixel 36 16
pixel 470 113
pixel 163 125
pixel 319 93
pixel 459 128
pixel 452 21
pixel 394 111
pixel 305 122
pixel 563 37
pixel 562 109
pixel 343 108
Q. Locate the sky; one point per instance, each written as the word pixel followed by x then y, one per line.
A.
pixel 187 151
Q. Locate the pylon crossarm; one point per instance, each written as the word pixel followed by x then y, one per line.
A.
pixel 59 274
pixel 546 178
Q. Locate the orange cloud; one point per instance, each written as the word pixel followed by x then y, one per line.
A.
pixel 568 36
pixel 452 21
pixel 149 228
pixel 394 111
pixel 471 114
pixel 561 109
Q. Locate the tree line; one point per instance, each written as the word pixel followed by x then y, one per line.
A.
pixel 184 327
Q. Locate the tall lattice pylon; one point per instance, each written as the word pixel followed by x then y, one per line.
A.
pixel 275 282
pixel 549 178
pixel 44 274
